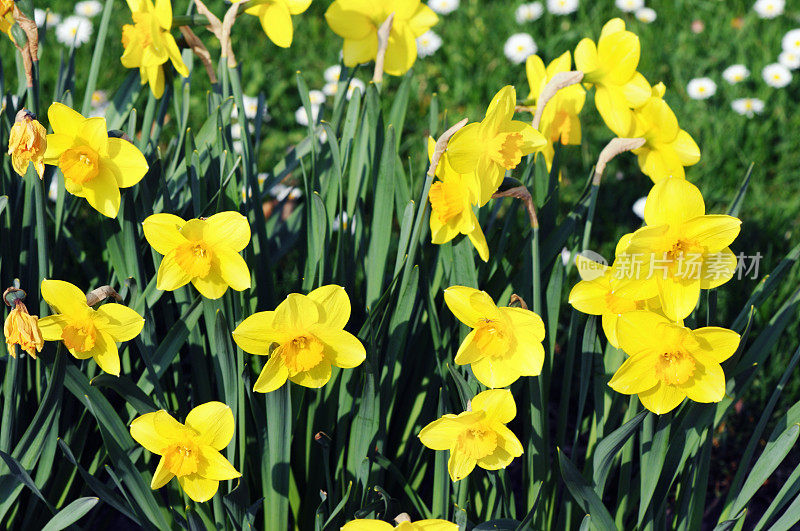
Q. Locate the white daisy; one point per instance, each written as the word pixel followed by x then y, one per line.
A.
pixel 443 7
pixel 565 256
pixel 250 108
pixel 74 30
pixel 790 60
pixel 99 97
pixel 280 192
pixel 52 190
pixel 317 97
pixel 332 73
pixel 562 7
pixel 629 6
pixel 428 43
pixel 638 207
pixel 88 8
pixel 791 41
pixel 330 88
pixel 701 88
pixel 529 12
pixel 302 116
pixel 776 75
pixel 41 17
pixel 748 106
pixel 247 191
pixel 342 222
pixel 519 46
pixel 769 8
pixel 735 74
pixel 646 15
pixel 355 84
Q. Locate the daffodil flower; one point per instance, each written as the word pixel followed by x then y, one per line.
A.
pixel 191 451
pixel 202 251
pixel 357 22
pixel 667 148
pixel 496 144
pixel 86 332
pixel 419 525
pixel 451 200
pixel 149 44
pixel 478 436
pixel 7 17
pixel 307 332
pixel 560 120
pixel 668 362
pixel 26 144
pixel 680 251
pixel 94 166
pixel 22 328
pixel 611 67
pixel 505 343
pixel 276 17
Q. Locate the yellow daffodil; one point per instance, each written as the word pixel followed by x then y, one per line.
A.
pixel 22 328
pixel 86 332
pixel 451 200
pixel 94 166
pixel 594 295
pixel 498 143
pixel 308 334
pixel 611 67
pixel 678 253
pixel 419 525
pixel 276 17
pixel 7 17
pixel 668 362
pixel 149 44
pixel 478 436
pixel 560 120
pixel 505 343
pixel 357 22
pixel 668 148
pixel 202 251
pixel 27 144
pixel 191 451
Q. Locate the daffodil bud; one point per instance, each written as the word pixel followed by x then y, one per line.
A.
pixel 27 143
pixel 21 328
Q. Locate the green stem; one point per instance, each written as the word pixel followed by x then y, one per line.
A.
pixel 97 57
pixel 189 20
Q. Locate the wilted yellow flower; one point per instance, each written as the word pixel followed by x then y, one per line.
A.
pixel 27 143
pixel 148 43
pixel 667 148
pixel 498 143
pixel 505 343
pixel 6 17
pixel 22 328
pixel 669 362
pixel 680 251
pixel 357 21
pixel 276 17
pixel 95 166
pixel 309 333
pixel 560 120
pixel 190 452
pixel 202 251
pixel 478 436
pixel 86 332
pixel 451 200
pixel 611 67
pixel 419 525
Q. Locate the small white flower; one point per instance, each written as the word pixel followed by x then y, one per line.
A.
pixel 74 29
pixel 646 15
pixel 250 108
pixel 330 88
pixel 247 191
pixel 519 46
pixel 342 222
pixel 565 256
pixel 236 130
pixel 238 147
pixel 748 106
pixel 529 12
pixel 562 7
pixel 302 116
pixel 41 17
pixel 701 88
pixel 99 111
pixel 791 41
pixel 99 97
pixel 355 84
pixel 638 207
pixel 776 75
pixel 629 6
pixel 52 190
pixel 769 8
pixel 88 8
pixel 428 43
pixel 790 60
pixel 317 97
pixel 735 74
pixel 280 192
pixel 332 73
pixel 443 7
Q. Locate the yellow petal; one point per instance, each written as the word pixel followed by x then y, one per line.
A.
pixel 612 26
pixel 314 378
pixel 718 268
pixel 64 120
pixel 613 108
pixel 478 239
pixel 707 383
pixel 171 275
pixel 63 297
pixel 56 145
pixel 469 305
pixel 350 19
pixel 678 296
pixel 586 59
pixel 273 375
pixel 619 52
pixel 609 322
pixel 357 51
pixel 227 228
pixel 662 121
pixel 537 76
pixel 686 148
pixel 126 162
pixel 297 6
pixel 714 232
pixel 496 373
pixel 175 55
pixel 163 232
pixel 121 322
pixel 498 459
pixel 212 286
pixel 102 193
pixel 525 322
pixel 163 13
pixel 468 352
pixel 641 331
pixel 637 91
pixel 464 149
pixel 441 434
pixel 508 441
pixel 155 76
pixel 500 111
pixel 214 423
pixel 343 349
pixel 52 327
pixel 232 268
pixel 401 51
pixel 94 133
pixel 296 312
pixel 161 476
pixel 423 19
pixel 636 375
pixel 460 465
pixel 212 465
pixel 662 398
pixel 105 353
pixel 673 202
pixel 336 305
pixel 589 296
pixel 256 333
pixel 198 488
pixel 717 344
pixel 498 404
pixel 528 354
pixel 155 431
pixel 367 525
